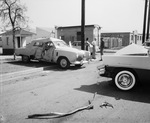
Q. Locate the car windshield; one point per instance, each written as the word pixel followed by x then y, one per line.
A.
pixel 61 44
pixel 148 44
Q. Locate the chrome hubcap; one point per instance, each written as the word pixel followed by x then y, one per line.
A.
pixel 63 63
pixel 125 80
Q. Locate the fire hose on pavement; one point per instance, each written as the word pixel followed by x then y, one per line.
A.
pixel 58 114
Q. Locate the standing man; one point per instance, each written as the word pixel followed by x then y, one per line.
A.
pixel 87 44
pixel 101 48
pixel 94 49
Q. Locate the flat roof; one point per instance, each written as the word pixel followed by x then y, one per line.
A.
pixel 79 26
pixel 21 32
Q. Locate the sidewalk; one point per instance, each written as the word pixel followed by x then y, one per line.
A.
pixel 110 51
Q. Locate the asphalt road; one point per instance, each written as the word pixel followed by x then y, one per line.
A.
pixel 56 90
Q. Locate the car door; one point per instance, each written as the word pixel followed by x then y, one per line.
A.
pixel 39 50
pixel 49 52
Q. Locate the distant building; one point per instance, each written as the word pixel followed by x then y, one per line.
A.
pixel 73 33
pixel 124 38
pixel 21 39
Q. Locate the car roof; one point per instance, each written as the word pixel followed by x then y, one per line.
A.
pixel 46 39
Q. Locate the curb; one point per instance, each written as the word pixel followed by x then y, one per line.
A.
pixel 110 51
pixel 19 74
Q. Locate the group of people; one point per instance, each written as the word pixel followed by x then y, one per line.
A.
pixel 92 47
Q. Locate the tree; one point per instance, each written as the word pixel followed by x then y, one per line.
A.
pixel 13 17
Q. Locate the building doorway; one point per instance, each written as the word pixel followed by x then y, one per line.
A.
pixel 18 42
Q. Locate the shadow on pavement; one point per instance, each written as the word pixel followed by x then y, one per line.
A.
pixel 140 93
pixel 33 64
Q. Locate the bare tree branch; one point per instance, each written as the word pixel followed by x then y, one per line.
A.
pixel 12 15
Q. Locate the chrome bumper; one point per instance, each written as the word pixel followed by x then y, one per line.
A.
pixel 80 62
pixel 102 71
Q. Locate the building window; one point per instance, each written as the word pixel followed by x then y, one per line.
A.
pixel 62 37
pixel 78 36
pixel 7 40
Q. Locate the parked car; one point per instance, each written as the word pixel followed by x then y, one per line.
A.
pixel 53 50
pixel 146 44
pixel 77 44
pixel 127 66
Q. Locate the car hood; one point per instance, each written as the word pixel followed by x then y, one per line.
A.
pixel 132 56
pixel 132 49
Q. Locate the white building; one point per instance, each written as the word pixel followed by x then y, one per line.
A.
pixel 21 39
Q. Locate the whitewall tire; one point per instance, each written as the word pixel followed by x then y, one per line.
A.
pixel 125 80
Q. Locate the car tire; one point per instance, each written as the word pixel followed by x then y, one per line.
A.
pixel 125 80
pixel 25 58
pixel 63 63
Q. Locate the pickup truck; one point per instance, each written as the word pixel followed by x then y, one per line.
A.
pixel 53 50
pixel 127 66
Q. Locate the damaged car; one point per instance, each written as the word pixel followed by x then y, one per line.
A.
pixel 53 50
pixel 127 66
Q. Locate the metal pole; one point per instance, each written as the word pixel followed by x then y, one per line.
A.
pixel 144 22
pixel 82 24
pixel 148 22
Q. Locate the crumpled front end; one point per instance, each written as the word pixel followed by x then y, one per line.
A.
pixel 80 59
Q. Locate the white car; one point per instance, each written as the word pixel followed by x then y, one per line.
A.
pixel 146 44
pixel 77 44
pixel 53 50
pixel 127 66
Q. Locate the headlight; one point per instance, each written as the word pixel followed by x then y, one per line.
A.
pixel 80 57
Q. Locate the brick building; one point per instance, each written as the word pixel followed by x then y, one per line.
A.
pixel 73 33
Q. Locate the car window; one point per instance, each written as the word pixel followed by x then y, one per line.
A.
pixel 61 44
pixel 49 44
pixel 79 43
pixel 74 44
pixel 148 44
pixel 39 44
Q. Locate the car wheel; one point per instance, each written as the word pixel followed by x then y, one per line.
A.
pixel 64 63
pixel 25 58
pixel 125 80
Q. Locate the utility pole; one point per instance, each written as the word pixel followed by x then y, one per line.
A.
pixel 82 23
pixel 148 22
pixel 144 22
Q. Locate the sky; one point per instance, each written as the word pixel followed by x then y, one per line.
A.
pixel 111 15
